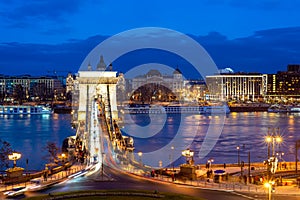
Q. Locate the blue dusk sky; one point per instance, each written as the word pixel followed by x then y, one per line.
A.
pixel 39 36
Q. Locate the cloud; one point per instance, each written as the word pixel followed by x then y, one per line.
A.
pixel 19 13
pixel 266 51
pixel 38 59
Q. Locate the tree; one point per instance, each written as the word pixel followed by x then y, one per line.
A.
pixel 5 150
pixel 52 150
pixel 40 90
pixel 19 93
pixel 2 96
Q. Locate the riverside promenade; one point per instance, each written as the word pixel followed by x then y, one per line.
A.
pixel 289 186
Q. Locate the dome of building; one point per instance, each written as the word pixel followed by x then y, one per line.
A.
pixel 153 72
pixel 177 71
pixel 226 71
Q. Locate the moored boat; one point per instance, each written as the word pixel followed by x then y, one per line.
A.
pixel 24 110
pixel 295 109
pixel 177 109
pixel 278 108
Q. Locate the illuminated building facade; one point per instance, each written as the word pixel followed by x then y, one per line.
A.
pixel 30 88
pixel 237 86
pixel 285 84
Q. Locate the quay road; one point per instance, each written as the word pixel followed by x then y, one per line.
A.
pixel 114 179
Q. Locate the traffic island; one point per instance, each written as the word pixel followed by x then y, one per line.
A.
pixel 118 195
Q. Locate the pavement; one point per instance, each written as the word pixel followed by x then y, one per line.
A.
pixel 290 189
pixel 233 186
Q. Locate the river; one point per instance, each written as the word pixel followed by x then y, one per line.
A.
pixel 247 130
pixel 154 135
pixel 29 134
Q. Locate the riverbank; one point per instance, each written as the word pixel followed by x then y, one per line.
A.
pixel 248 108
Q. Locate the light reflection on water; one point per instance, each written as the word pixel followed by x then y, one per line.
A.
pixel 29 134
pixel 244 129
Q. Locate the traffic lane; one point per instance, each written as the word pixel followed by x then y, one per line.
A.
pixel 155 185
pixel 124 181
pixel 187 190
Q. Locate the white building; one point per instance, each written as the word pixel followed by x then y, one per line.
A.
pixel 173 82
pixel 237 86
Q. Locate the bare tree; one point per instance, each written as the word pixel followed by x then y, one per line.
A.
pixel 39 90
pixel 52 151
pixel 5 150
pixel 19 93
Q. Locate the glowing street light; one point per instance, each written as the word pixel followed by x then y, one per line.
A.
pixel 269 186
pixel 238 154
pixel 189 154
pixel 278 139
pixel 63 156
pixel 140 154
pixel 14 156
pixel 209 162
pixel 268 140
pixel 272 139
pixel 280 154
pixel 172 160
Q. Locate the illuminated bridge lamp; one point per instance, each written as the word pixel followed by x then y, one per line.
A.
pixel 189 155
pixel 63 156
pixel 14 156
pixel 140 154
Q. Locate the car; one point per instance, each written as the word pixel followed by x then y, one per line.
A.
pixel 16 191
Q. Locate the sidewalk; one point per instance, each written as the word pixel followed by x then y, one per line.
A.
pixel 236 186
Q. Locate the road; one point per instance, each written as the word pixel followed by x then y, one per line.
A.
pixel 123 181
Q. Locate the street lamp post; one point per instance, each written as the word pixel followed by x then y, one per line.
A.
pixel 63 156
pixel 249 166
pixel 296 155
pixel 210 161
pixel 14 156
pixel 172 147
pixel 280 154
pixel 272 139
pixel 238 154
pixel 242 163
pixel 140 154
pixel 268 185
pixel 189 154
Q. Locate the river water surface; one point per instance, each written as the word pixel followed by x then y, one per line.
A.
pixel 29 135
